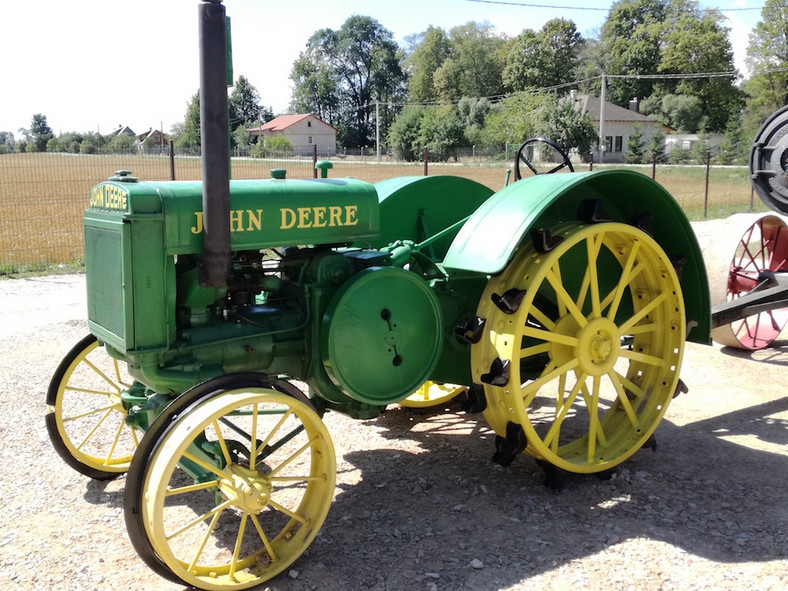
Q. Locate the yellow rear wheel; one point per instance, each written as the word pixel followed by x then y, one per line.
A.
pixel 588 361
pixel 432 394
pixel 261 501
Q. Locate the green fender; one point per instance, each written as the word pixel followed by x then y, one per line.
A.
pixel 488 240
pixel 418 207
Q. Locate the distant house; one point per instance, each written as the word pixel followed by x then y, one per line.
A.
pixel 618 127
pixel 302 131
pixel 687 141
pixel 124 129
pixel 156 140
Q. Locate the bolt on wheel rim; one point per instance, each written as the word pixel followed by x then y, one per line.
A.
pixel 594 348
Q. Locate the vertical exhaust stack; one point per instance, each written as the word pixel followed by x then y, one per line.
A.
pixel 214 128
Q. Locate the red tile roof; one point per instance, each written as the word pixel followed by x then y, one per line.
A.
pixel 283 122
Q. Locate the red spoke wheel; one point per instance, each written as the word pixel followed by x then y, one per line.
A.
pixel 762 248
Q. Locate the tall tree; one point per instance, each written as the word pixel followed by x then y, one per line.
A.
pixel 41 132
pixel 767 55
pixel 316 86
pixel 474 66
pixel 244 105
pixel 424 61
pixel 189 139
pixel 363 60
pixel 545 58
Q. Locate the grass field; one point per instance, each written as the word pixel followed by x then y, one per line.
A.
pixel 43 196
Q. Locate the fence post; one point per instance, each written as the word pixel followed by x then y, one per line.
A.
pixel 654 166
pixel 426 159
pixel 314 161
pixel 706 195
pixel 752 191
pixel 172 160
pixel 591 162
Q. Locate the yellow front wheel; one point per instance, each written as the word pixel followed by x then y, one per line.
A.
pixel 86 419
pixel 583 345
pixel 432 394
pixel 265 478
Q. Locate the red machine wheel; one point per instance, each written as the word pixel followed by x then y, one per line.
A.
pixel 763 247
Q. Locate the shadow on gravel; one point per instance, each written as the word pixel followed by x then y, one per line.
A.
pixel 448 515
pixel 437 512
pixel 775 354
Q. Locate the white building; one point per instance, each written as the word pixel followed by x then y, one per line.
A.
pixel 302 131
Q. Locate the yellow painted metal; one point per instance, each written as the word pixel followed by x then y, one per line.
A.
pixel 594 348
pixel 255 516
pixel 432 394
pixel 88 414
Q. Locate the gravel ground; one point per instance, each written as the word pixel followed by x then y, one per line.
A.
pixel 419 504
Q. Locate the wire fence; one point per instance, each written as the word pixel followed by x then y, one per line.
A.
pixel 44 195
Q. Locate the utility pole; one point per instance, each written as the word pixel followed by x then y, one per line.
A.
pixel 602 121
pixel 377 127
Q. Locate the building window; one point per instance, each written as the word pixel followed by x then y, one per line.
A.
pixel 310 139
pixel 608 143
pixel 309 124
pixel 619 143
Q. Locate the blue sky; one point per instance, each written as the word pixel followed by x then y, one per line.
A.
pixel 94 64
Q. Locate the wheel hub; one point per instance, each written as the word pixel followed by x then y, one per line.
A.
pixel 597 349
pixel 249 490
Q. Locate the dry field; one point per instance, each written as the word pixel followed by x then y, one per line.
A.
pixel 43 196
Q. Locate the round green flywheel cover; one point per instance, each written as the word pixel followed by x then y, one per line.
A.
pixel 382 335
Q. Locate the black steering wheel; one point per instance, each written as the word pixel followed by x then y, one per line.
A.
pixel 519 156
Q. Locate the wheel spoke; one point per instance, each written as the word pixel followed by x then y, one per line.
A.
pixel 286 511
pixel 237 550
pixel 534 350
pixel 550 373
pixel 111 451
pixel 104 409
pixel 593 420
pixel 204 540
pixel 626 327
pixel 552 337
pixel 102 375
pixel 271 434
pixel 200 519
pixel 541 318
pixel 171 492
pixel 628 274
pixel 623 399
pixel 222 443
pixel 292 457
pixel 643 358
pixel 565 301
pixel 94 429
pixel 263 537
pixel 552 437
pixel 594 244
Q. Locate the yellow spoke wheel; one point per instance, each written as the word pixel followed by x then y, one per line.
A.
pixel 432 394
pixel 589 360
pixel 85 417
pixel 256 508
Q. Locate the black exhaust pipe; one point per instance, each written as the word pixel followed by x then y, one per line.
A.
pixel 215 141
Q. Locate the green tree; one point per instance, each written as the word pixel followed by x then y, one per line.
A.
pixel 547 58
pixel 565 125
pixel 315 87
pixel 403 136
pixel 427 57
pixel 41 132
pixel 442 133
pixel 767 58
pixel 189 139
pixel 474 66
pixel 244 105
pixel 681 112
pixel 656 147
pixel 635 146
pixel 733 149
pixel 363 61
pixel 517 117
pixel 121 144
pixel 7 142
pixel 241 137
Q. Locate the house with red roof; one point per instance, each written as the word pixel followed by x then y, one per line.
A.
pixel 302 131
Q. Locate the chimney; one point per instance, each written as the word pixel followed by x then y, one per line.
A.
pixel 634 105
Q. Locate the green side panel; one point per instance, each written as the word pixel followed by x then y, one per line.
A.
pixel 415 208
pixel 487 241
pixel 272 213
pixel 108 288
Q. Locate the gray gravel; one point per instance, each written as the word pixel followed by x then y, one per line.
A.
pixel 418 503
